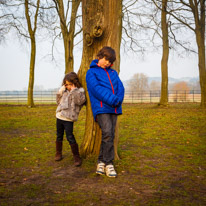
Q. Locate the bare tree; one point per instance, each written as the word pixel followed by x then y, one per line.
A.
pixel 195 8
pixel 32 33
pixel 4 28
pixel 138 83
pixel 165 55
pixel 155 85
pixel 136 35
pixel 181 86
pixel 162 6
pixel 182 91
pixel 26 27
pixel 67 33
pixel 191 15
pixel 146 18
pixel 102 26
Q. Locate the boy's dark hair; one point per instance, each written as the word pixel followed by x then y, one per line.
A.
pixel 108 53
pixel 73 78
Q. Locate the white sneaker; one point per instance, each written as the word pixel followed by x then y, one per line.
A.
pixel 110 172
pixel 100 168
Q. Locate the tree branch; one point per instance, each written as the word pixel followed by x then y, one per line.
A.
pixel 36 15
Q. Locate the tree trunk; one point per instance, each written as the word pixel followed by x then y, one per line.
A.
pixel 30 101
pixel 200 39
pixel 202 68
pixel 71 35
pixel 165 55
pixel 102 26
pixel 32 31
pixel 68 36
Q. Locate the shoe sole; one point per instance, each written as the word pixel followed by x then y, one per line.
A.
pixel 58 159
pixel 100 173
pixel 114 176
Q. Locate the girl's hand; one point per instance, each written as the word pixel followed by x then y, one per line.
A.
pixel 62 89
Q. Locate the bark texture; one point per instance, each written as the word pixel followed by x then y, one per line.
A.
pixel 102 26
pixel 32 32
pixel 165 55
pixel 199 17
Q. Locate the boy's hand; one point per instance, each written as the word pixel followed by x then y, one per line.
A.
pixel 116 105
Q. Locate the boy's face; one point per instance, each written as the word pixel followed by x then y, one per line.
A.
pixel 104 63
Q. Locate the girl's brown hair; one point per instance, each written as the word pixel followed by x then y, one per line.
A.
pixel 73 78
pixel 108 53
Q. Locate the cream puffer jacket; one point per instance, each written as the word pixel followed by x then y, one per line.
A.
pixel 70 103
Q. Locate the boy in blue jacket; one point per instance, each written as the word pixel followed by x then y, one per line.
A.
pixel 106 93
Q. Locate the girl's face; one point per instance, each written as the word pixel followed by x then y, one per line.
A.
pixel 104 63
pixel 69 86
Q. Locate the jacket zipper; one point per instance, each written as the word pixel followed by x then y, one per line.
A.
pixel 111 86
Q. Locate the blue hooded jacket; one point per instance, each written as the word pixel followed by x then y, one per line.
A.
pixel 106 90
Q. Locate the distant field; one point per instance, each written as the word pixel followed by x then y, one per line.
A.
pixel 162 153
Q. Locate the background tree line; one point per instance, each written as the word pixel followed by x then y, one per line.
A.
pixel 140 25
pixel 141 82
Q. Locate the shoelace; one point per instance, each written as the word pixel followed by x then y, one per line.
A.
pixel 101 166
pixel 111 169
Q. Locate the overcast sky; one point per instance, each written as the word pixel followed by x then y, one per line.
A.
pixel 15 59
pixel 14 66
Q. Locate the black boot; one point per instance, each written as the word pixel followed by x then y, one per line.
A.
pixel 58 156
pixel 75 151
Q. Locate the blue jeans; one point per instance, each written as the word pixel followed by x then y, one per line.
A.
pixel 107 123
pixel 66 126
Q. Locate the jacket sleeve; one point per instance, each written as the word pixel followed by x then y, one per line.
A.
pixel 58 98
pixel 101 93
pixel 78 96
pixel 120 92
pixel 60 94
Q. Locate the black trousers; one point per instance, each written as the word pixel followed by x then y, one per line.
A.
pixel 66 126
pixel 107 123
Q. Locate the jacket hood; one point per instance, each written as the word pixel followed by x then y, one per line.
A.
pixel 94 63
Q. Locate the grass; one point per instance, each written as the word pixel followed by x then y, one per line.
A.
pixel 162 161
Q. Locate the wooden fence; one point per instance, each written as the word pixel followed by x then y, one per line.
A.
pixel 48 97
